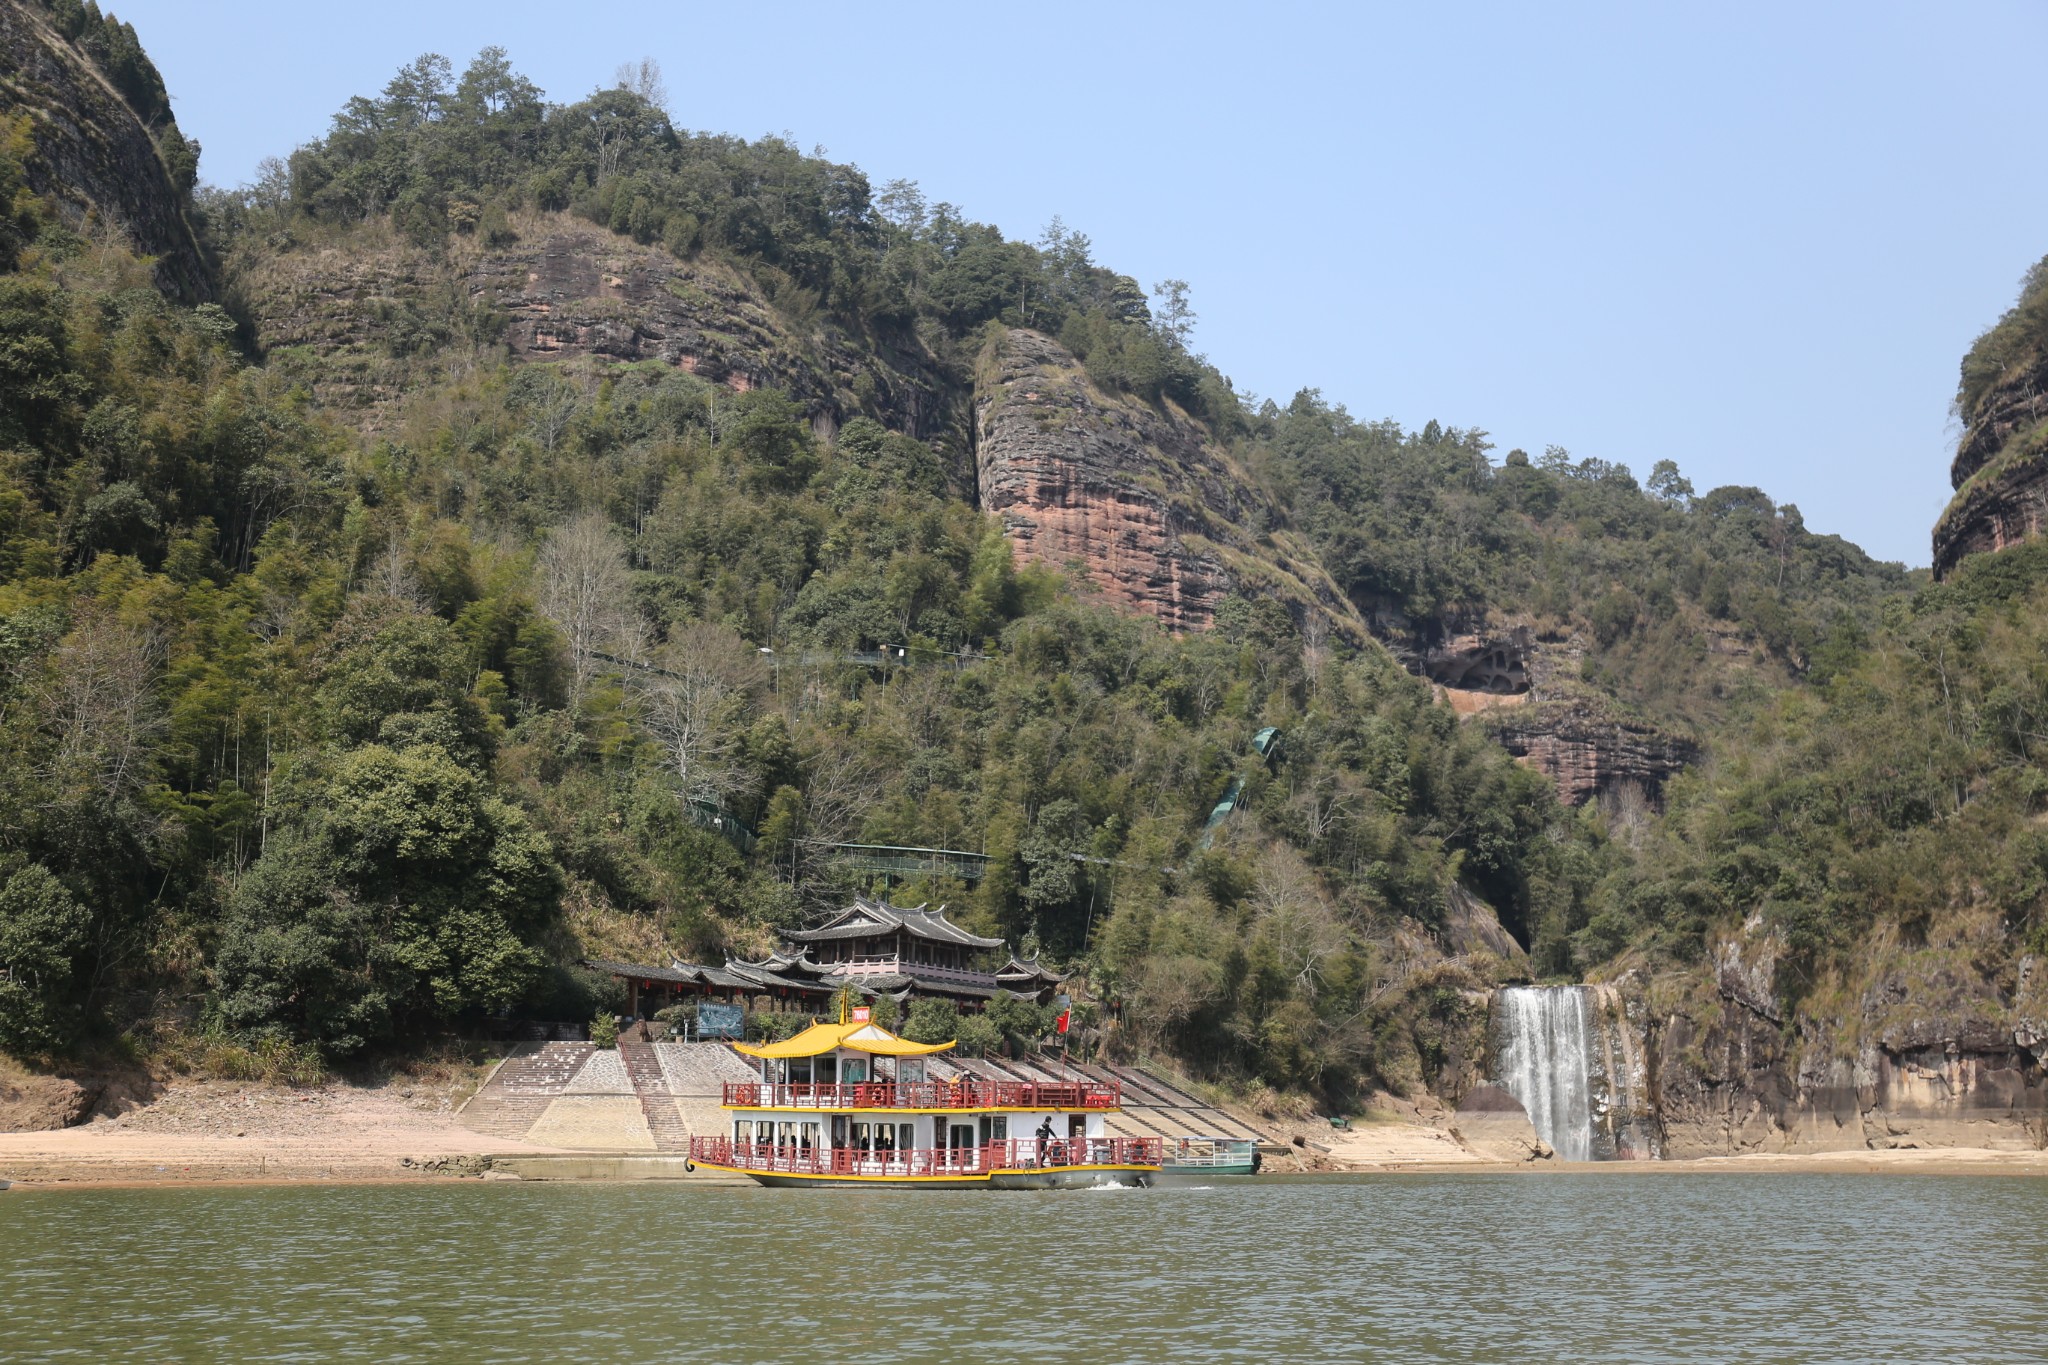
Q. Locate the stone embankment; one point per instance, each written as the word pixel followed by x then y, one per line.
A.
pixel 187 1130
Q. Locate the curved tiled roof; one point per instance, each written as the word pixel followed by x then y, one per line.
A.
pixel 1028 969
pixel 744 976
pixel 870 919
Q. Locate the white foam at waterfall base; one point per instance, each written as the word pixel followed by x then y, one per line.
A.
pixel 1544 1059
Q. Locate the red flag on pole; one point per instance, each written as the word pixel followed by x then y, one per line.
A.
pixel 1060 1024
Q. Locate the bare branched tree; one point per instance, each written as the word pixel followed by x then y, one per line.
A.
pixel 841 784
pixel 1295 917
pixel 390 576
pixel 644 79
pixel 1322 802
pixel 695 701
pixel 584 589
pixel 97 704
pixel 1172 988
pixel 550 411
pixel 1315 642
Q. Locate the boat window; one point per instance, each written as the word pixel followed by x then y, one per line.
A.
pixel 905 1138
pixel 743 1131
pixel 910 1071
pixel 854 1071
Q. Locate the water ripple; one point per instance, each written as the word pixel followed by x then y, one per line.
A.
pixel 1718 1268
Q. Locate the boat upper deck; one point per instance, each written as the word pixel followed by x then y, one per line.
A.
pixel 961 1093
pixel 1009 1154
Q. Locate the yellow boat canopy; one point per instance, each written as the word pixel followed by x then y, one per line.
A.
pixel 819 1039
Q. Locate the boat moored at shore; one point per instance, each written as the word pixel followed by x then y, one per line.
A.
pixel 1212 1156
pixel 852 1104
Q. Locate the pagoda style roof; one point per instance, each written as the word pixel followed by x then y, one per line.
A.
pixel 854 1036
pixel 766 973
pixel 897 985
pixel 785 961
pixel 873 919
pixel 733 976
pixel 682 973
pixel 1020 969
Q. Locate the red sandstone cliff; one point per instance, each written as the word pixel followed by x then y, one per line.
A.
pixel 2000 471
pixel 562 290
pixel 1592 755
pixel 1158 519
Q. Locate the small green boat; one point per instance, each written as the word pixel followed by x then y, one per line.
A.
pixel 1211 1156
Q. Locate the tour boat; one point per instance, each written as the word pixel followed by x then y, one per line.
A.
pixel 1213 1156
pixel 852 1104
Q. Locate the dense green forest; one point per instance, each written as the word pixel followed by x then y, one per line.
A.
pixel 322 739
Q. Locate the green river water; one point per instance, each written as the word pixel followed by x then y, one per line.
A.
pixel 1397 1268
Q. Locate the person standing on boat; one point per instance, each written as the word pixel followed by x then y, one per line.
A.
pixel 1044 1136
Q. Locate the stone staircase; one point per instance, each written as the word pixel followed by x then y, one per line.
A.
pixel 505 1116
pixel 519 1092
pixel 544 1070
pixel 697 1073
pixel 664 1119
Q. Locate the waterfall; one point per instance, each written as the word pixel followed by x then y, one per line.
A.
pixel 1544 1060
pixel 1573 1059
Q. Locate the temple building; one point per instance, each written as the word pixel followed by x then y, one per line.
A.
pixel 903 952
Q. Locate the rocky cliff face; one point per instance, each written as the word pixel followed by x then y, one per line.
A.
pixel 2001 506
pixel 1158 519
pixel 1521 681
pixel 1592 754
pixel 1926 1051
pixel 93 156
pixel 561 291
pixel 2000 471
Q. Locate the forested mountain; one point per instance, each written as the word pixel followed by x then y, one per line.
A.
pixel 553 491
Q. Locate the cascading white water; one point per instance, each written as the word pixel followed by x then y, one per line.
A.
pixel 1545 1060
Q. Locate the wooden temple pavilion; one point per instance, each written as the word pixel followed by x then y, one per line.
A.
pixel 903 952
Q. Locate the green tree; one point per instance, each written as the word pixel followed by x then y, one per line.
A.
pixel 43 936
pixel 410 893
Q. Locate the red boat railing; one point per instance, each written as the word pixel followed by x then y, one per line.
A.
pixel 962 1094
pixel 1013 1154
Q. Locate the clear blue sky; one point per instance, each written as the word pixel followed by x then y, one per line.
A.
pixel 1755 239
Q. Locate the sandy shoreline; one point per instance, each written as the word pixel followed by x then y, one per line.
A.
pixel 443 1150
pixel 214 1133
pixel 195 1131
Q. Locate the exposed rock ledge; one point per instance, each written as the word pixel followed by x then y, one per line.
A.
pixel 93 156
pixel 1998 508
pixel 1590 754
pixel 566 290
pixel 1159 520
pixel 1933 1054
